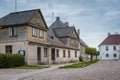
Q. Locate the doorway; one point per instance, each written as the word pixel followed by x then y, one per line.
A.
pixel 39 54
pixel 53 54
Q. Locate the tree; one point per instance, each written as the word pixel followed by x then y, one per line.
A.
pixel 91 52
pixel 97 53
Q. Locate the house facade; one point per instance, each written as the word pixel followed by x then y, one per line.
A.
pixel 83 46
pixel 110 48
pixel 26 33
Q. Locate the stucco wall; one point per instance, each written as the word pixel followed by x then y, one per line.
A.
pixel 111 52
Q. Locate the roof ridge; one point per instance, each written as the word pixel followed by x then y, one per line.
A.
pixel 24 11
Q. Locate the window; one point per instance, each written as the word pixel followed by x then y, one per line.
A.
pixel 57 52
pixel 75 54
pixel 114 48
pixel 114 55
pixel 13 31
pixel 107 55
pixel 41 33
pixel 107 48
pixel 45 52
pixel 9 49
pixel 68 53
pixel 34 32
pixel 64 53
pixel 38 20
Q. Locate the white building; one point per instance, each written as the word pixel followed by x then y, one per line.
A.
pixel 110 48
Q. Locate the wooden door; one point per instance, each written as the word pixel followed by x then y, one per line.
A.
pixel 39 54
pixel 53 54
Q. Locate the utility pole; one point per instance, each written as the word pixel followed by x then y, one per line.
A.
pixel 15 5
pixel 52 16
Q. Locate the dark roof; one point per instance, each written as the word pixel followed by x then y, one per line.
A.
pixel 111 40
pixel 17 18
pixel 63 31
pixel 52 39
pixel 83 43
pixel 57 24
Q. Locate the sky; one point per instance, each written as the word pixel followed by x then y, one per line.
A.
pixel 94 18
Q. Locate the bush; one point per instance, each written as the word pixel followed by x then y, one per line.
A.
pixel 11 60
pixel 81 58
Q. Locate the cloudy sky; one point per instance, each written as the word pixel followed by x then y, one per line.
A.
pixel 94 18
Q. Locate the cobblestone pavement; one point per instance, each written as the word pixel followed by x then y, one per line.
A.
pixel 103 70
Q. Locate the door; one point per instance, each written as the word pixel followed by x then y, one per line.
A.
pixel 39 54
pixel 53 54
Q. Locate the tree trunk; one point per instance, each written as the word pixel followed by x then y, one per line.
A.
pixel 96 57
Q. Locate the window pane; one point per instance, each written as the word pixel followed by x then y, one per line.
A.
pixel 114 55
pixel 41 33
pixel 38 20
pixel 13 31
pixel 68 53
pixel 9 49
pixel 34 32
pixel 45 52
pixel 114 48
pixel 107 55
pixel 57 52
pixel 107 48
pixel 64 53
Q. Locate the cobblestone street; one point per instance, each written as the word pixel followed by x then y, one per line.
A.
pixel 103 70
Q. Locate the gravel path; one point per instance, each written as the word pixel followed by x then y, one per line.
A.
pixel 103 70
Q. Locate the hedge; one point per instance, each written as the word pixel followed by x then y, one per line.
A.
pixel 11 60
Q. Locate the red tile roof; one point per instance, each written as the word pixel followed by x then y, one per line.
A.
pixel 111 40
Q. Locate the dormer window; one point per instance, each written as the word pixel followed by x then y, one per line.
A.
pixel 13 31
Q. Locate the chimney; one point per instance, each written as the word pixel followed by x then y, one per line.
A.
pixel 58 18
pixel 108 33
pixel 66 24
pixel 78 31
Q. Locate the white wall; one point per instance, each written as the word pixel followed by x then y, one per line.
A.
pixel 111 52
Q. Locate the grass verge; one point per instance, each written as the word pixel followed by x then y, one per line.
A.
pixel 79 65
pixel 29 67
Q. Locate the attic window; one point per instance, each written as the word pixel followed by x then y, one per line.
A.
pixel 38 20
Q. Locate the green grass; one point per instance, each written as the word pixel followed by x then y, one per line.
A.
pixel 80 64
pixel 29 67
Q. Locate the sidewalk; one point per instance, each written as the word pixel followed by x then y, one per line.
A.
pixel 27 74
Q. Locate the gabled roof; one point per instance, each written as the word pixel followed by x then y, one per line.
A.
pixel 52 39
pixel 57 24
pixel 111 40
pixel 17 18
pixel 83 43
pixel 64 31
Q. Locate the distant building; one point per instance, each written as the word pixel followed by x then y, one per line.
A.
pixel 110 47
pixel 83 46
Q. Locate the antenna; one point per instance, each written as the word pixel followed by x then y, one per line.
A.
pixel 15 5
pixel 52 16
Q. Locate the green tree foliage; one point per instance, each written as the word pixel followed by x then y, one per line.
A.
pixel 91 51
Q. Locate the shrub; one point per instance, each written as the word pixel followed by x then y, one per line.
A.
pixel 81 58
pixel 11 60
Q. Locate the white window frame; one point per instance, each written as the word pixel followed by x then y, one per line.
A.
pixel 34 31
pixel 41 33
pixel 13 31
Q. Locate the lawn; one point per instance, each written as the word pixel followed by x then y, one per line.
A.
pixel 80 64
pixel 29 67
